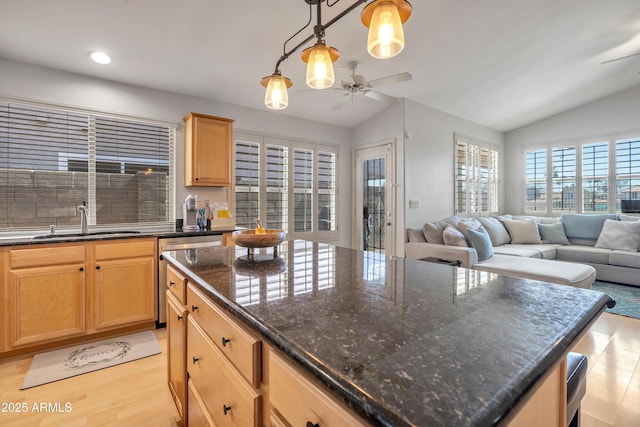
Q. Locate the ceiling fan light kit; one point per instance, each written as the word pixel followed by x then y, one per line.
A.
pixel 384 18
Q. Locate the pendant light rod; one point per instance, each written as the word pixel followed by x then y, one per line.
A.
pixel 318 28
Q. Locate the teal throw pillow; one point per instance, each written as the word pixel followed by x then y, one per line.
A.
pixel 553 233
pixel 481 242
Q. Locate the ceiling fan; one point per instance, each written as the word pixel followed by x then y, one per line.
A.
pixel 358 84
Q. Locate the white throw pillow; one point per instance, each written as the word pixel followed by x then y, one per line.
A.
pixel 497 233
pixel 620 235
pixel 468 224
pixel 523 231
pixel 453 237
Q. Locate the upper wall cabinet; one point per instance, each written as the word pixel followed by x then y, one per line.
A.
pixel 208 151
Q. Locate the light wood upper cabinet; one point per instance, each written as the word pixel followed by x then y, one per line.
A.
pixel 208 151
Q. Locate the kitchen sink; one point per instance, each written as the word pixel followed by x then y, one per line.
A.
pixel 91 234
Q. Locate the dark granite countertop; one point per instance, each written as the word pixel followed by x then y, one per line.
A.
pixel 67 236
pixel 401 341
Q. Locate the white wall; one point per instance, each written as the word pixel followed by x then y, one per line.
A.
pixel 30 82
pixel 617 113
pixel 429 160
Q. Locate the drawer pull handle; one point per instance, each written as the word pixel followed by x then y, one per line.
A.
pixel 226 409
pixel 195 359
pixel 97 267
pixel 225 341
pixel 194 308
pixel 179 317
pixel 81 268
pixel 171 283
pixel 310 424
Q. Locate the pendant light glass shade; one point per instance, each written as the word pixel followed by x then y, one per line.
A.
pixel 276 97
pixel 384 19
pixel 319 59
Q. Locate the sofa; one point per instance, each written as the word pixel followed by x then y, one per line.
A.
pixel 573 249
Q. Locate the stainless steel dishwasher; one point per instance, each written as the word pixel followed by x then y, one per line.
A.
pixel 172 244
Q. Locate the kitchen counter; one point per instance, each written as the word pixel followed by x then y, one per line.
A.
pixel 66 237
pixel 400 341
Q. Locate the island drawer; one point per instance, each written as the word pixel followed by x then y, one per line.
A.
pixel 299 402
pixel 228 398
pixel 238 345
pixel 198 415
pixel 176 283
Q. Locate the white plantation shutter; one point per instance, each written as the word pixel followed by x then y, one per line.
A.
pixel 535 181
pixel 595 177
pixel 277 186
pixel 288 185
pixel 302 190
pixel 53 160
pixel 563 179
pixel 247 183
pixel 628 175
pixel 477 179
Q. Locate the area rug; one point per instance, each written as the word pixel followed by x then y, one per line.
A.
pixel 88 357
pixel 627 298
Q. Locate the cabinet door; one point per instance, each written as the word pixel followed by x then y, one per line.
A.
pixel 125 292
pixel 176 351
pixel 208 151
pixel 46 304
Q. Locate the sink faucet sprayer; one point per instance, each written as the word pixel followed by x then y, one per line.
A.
pixel 84 223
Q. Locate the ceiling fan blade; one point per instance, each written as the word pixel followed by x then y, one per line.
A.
pixel 402 77
pixel 378 96
pixel 618 59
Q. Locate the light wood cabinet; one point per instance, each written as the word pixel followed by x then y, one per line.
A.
pixel 46 295
pixel 63 292
pixel 176 352
pixel 125 277
pixel 297 401
pixel 208 151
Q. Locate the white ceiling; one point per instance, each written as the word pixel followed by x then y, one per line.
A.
pixel 501 63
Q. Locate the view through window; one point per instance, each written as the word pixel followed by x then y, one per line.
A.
pixel 600 175
pixel 54 160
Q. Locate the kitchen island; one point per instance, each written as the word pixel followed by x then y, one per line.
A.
pixel 396 341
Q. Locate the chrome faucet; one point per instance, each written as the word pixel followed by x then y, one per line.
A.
pixel 84 223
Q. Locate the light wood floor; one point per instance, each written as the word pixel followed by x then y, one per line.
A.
pixel 136 394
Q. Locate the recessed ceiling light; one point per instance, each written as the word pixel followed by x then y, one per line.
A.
pixel 99 57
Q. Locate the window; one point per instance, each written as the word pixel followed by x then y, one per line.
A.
pixel 536 181
pixel 287 185
pixel 607 170
pixel 477 177
pixel 53 160
pixel 563 179
pixel 595 177
pixel 628 175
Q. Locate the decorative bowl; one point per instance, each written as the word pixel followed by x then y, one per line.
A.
pixel 249 238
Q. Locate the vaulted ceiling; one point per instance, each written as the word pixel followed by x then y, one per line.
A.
pixel 501 63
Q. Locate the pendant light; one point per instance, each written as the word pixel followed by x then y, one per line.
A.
pixel 384 18
pixel 276 97
pixel 320 59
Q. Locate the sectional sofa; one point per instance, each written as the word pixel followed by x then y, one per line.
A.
pixel 573 249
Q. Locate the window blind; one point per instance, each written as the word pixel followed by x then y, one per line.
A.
pixel 628 175
pixel 52 161
pixel 326 190
pixel 302 190
pixel 536 180
pixel 563 164
pixel 595 177
pixel 247 183
pixel 277 186
pixel 477 177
